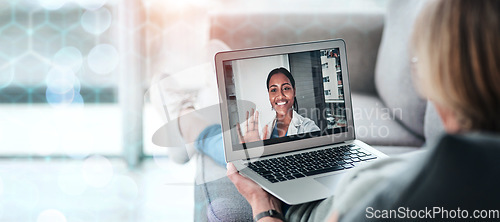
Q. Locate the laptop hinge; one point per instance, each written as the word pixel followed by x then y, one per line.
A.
pixel 349 141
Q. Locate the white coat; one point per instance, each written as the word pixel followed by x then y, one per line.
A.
pixel 298 125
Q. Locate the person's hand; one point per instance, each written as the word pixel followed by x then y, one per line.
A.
pixel 252 130
pixel 334 217
pixel 258 198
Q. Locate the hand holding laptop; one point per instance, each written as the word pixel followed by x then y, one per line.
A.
pixel 302 154
pixel 259 199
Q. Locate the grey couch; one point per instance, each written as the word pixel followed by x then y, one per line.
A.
pixel 388 113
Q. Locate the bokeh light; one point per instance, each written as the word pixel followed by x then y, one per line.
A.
pixel 56 99
pixel 51 215
pixel 6 76
pixel 68 58
pixel 125 187
pixel 60 80
pixel 52 4
pixel 91 4
pixel 76 85
pixel 77 100
pixel 103 59
pixel 97 171
pixel 96 22
pixel 63 87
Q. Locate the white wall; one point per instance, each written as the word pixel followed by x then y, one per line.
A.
pixel 250 77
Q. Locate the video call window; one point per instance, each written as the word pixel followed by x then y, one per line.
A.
pixel 317 107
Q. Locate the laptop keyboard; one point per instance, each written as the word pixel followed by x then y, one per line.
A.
pixel 310 163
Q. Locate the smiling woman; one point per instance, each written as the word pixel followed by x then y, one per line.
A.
pixel 281 87
pixel 281 90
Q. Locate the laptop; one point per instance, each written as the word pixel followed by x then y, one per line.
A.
pixel 304 161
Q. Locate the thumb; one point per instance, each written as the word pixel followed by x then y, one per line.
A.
pixel 232 173
pixel 264 132
pixel 231 169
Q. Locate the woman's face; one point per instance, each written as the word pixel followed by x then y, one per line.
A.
pixel 281 93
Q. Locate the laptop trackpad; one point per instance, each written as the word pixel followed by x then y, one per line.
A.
pixel 330 181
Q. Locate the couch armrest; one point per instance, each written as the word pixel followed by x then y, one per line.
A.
pixel 361 31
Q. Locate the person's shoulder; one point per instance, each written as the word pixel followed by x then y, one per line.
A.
pixel 385 178
pixel 300 118
pixel 308 122
pixel 472 141
pixel 472 137
pixel 304 121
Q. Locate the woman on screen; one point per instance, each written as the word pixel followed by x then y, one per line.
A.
pixel 281 90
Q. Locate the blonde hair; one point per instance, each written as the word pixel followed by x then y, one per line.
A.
pixel 458 41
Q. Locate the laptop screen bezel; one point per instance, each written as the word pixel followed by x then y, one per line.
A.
pixel 230 153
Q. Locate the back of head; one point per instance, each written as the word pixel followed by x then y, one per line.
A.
pixel 458 50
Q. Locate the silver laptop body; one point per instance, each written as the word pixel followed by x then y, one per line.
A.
pixel 323 94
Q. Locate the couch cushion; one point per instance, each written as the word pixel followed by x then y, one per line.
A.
pixel 361 31
pixel 216 198
pixel 375 124
pixel 392 74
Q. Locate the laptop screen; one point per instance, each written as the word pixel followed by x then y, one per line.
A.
pixel 284 97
